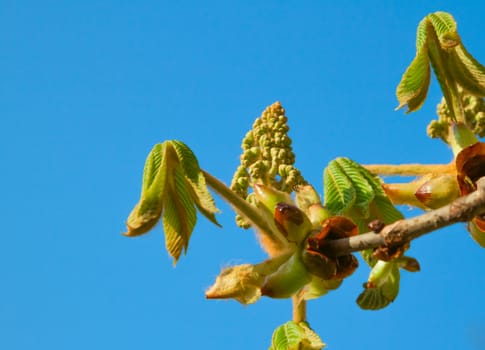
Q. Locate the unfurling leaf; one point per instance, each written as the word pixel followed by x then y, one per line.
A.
pixel 295 336
pixel 382 287
pixel 413 87
pixel 351 190
pixel 439 45
pixel 173 187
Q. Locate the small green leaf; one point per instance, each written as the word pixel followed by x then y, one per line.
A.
pixel 201 196
pixel 382 287
pixel 295 336
pixel 352 190
pixel 148 210
pixel 339 192
pixel 413 87
pixel 363 190
pixel 179 216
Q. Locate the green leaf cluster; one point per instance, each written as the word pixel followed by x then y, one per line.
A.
pixel 438 45
pixel 352 191
pixel 173 187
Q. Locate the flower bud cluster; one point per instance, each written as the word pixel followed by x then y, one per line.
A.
pixel 474 108
pixel 267 156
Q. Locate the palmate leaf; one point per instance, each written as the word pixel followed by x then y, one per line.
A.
pixel 352 190
pixel 295 336
pixel 173 187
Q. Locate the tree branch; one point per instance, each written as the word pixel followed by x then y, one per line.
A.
pixel 409 169
pixel 461 210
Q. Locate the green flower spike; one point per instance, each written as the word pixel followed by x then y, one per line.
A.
pixel 267 157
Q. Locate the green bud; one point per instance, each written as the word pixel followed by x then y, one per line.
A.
pixel 438 191
pixel 290 277
pixel 270 197
pixel 317 215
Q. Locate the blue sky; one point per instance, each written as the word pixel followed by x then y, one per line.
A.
pixel 88 87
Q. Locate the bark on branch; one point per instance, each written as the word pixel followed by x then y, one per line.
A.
pixel 461 210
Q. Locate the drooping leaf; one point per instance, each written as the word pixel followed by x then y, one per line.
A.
pixel 179 216
pixel 295 336
pixel 148 210
pixel 201 196
pixel 413 87
pixel 173 186
pixel 445 27
pixel 467 71
pixel 421 33
pixel 382 287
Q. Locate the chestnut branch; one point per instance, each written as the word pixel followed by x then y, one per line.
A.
pixel 400 232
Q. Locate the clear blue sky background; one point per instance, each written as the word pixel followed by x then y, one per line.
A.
pixel 88 87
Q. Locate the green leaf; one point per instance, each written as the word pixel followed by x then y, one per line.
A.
pixel 467 71
pixel 363 190
pixel 413 87
pixel 201 196
pixel 352 190
pixel 339 192
pixel 173 186
pixel 179 216
pixel 445 27
pixel 421 34
pixel 295 336
pixel 382 287
pixel 148 210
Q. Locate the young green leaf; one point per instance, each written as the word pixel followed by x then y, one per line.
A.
pixel 173 186
pixel 352 190
pixel 413 87
pixel 199 192
pixel 467 71
pixel 179 216
pixel 147 212
pixel 295 336
pixel 445 27
pixel 340 193
pixel 382 287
